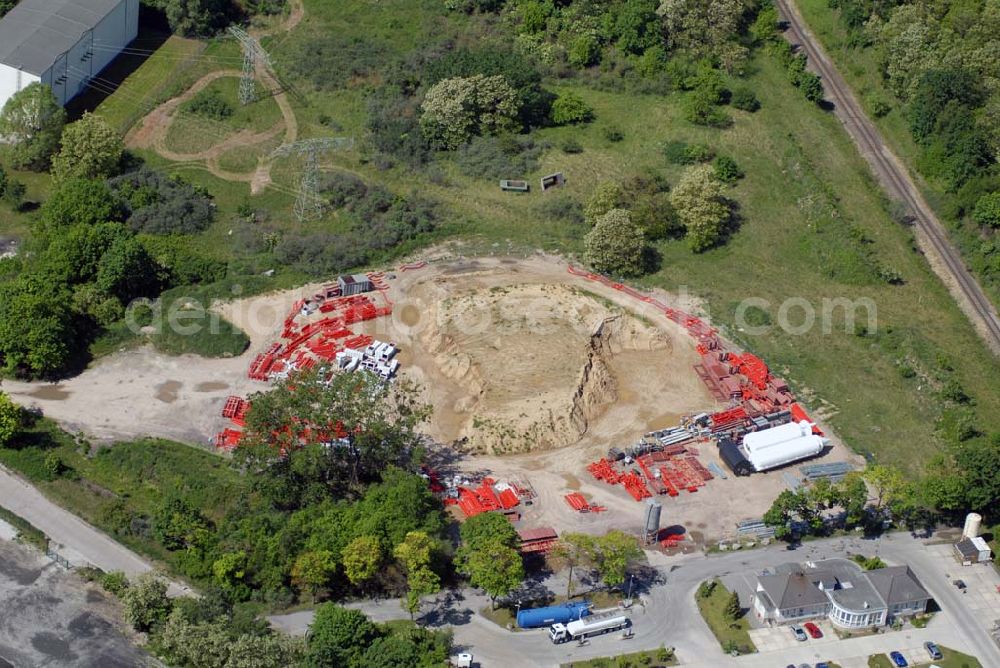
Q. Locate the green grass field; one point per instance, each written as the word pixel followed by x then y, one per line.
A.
pixel 731 636
pixel 660 657
pixel 150 83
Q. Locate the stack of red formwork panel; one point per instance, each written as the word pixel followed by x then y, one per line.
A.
pixel 228 439
pixel 508 499
pixel 635 486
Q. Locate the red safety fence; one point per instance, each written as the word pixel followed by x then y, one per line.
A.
pixel 412 265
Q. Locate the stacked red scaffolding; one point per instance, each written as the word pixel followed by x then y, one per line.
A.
pixel 604 470
pixel 578 502
pixel 484 498
pixel 727 420
pixel 236 410
pixel 228 439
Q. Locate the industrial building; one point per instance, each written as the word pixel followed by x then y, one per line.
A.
pixel 777 446
pixel 62 43
pixel 840 590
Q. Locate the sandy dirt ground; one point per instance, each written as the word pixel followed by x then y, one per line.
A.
pixel 486 338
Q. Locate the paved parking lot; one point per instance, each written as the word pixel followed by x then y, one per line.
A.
pixel 781 637
pixel 982 595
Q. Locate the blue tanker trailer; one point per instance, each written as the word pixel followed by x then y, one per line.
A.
pixel 532 618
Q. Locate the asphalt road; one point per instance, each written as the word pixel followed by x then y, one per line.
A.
pixel 668 614
pixel 70 536
pixel 52 618
pixel 889 170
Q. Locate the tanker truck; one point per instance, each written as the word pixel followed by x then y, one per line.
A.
pixel 592 625
pixel 532 618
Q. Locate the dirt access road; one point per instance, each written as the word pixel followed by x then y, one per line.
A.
pixel 889 170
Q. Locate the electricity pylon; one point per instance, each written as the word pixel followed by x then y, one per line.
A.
pixel 308 204
pixel 253 55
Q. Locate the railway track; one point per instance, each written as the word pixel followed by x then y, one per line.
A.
pixel 946 260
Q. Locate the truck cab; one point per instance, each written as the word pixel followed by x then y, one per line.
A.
pixel 558 633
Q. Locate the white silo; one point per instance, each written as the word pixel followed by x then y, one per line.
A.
pixel 652 531
pixel 973 522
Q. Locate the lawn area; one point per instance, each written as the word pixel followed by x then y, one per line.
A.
pixel 119 488
pixel 150 83
pixel 191 133
pixel 657 657
pixel 731 636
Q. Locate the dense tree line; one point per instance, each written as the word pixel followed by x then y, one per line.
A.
pixel 203 18
pixel 940 69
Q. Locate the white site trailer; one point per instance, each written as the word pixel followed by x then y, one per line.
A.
pixel 592 625
pixel 777 446
pixel 63 44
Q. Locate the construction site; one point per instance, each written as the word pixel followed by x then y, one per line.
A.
pixel 564 399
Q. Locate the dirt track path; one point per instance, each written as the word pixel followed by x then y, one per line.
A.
pixel 152 132
pixel 944 259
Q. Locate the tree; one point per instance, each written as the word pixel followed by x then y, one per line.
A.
pixel 338 636
pixel 89 149
pixel 733 609
pixel 11 190
pixel 414 554
pixel 979 462
pixel 616 245
pixel 194 17
pixel 11 419
pixel 285 449
pixel 456 109
pixel 987 212
pixel 492 566
pixel 80 202
pixel 887 483
pixel 701 207
pixel 313 570
pixel 702 26
pixel 489 529
pixel 33 120
pixel 608 195
pixel 127 271
pixel 230 571
pixel 271 650
pixel 362 559
pixel 573 549
pixel 145 603
pixel 570 109
pixel 614 551
pixel 37 333
pixel 811 86
pixel 744 98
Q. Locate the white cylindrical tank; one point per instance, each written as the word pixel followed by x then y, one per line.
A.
pixel 973 521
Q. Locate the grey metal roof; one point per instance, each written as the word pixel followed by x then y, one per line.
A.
pixel 36 32
pixel 791 590
pixel 897 584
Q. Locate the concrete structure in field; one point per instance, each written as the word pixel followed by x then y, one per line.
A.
pixel 62 43
pixel 840 590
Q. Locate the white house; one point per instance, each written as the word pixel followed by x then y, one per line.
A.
pixel 62 43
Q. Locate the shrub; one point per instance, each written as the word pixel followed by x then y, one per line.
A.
pixel 744 98
pixel 209 103
pixel 571 146
pixel 161 204
pixel 987 211
pixel 332 61
pixel 115 583
pixel 570 109
pixel 877 105
pixel 812 86
pixel 584 51
pixel 726 169
pixel 561 207
pixel 612 133
pixel 682 153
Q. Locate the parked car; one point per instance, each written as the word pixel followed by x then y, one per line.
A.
pixel 813 630
pixel 799 634
pixel 898 659
pixel 933 650
pixel 960 584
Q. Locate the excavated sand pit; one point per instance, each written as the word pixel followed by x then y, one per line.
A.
pixel 512 363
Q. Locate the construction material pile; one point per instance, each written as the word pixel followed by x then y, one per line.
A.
pixel 664 470
pixel 578 502
pixel 489 495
